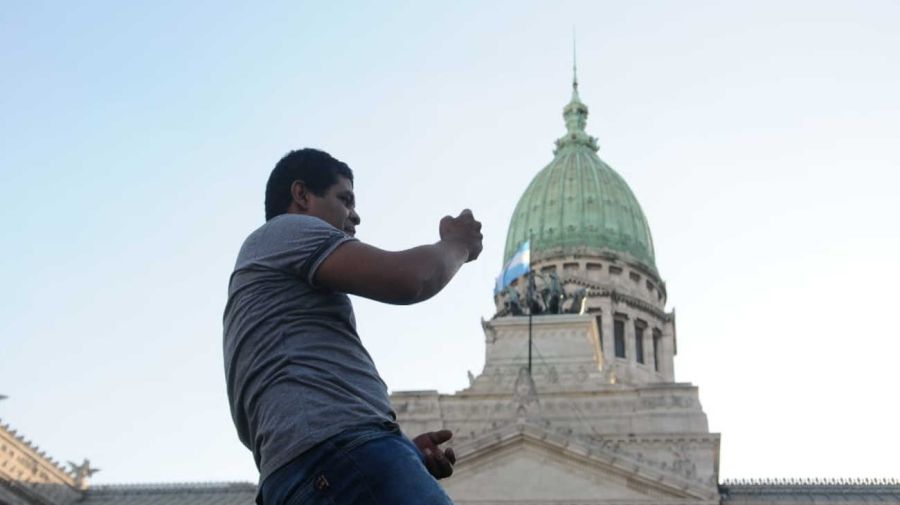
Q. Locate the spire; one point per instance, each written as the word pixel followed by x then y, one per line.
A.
pixel 575 113
pixel 574 68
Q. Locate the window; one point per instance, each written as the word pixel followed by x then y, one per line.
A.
pixel 615 270
pixel 635 277
pixel 639 342
pixel 600 331
pixel 657 336
pixel 619 337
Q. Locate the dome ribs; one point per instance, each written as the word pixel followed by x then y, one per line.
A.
pixel 579 205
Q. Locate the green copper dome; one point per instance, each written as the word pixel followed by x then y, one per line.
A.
pixel 578 204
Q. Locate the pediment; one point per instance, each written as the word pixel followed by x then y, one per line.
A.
pixel 523 463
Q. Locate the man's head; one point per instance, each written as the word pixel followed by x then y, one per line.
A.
pixel 309 181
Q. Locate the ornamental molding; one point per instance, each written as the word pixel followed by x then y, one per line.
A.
pixel 671 455
pixel 588 253
pixel 637 303
pixel 595 290
pixel 481 407
pixel 177 488
pixel 572 142
pixel 805 490
pixel 23 460
pixel 805 485
pixel 664 478
pixel 599 397
pixel 585 502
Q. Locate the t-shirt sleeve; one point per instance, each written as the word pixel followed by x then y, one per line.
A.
pixel 298 244
pixel 323 251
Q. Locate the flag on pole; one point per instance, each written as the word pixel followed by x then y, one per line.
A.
pixel 517 266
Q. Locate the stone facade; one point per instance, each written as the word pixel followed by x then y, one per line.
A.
pixel 29 476
pixel 615 289
pixel 584 425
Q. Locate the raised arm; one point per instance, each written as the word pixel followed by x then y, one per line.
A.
pixel 403 277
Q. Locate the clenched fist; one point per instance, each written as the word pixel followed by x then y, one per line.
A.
pixel 463 229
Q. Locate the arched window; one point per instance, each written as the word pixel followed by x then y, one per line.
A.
pixel 657 337
pixel 600 331
pixel 639 340
pixel 619 337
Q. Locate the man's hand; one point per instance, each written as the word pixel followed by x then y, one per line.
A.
pixel 465 230
pixel 439 462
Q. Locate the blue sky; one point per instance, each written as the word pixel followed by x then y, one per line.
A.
pixel 136 138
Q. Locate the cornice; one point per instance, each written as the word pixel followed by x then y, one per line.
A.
pixel 688 501
pixel 639 304
pixel 591 254
pixel 807 485
pixel 18 441
pixel 175 487
pixel 596 291
pixel 606 390
pixel 588 451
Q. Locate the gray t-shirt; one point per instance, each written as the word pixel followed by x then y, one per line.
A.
pixel 295 368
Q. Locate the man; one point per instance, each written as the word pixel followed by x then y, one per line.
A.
pixel 304 393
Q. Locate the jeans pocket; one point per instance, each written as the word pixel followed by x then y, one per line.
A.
pixel 302 495
pixel 334 481
pixel 313 491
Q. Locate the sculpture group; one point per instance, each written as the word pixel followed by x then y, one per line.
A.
pixel 549 298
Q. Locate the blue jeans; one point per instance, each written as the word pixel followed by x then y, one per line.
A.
pixel 370 465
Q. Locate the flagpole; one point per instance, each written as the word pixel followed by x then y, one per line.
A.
pixel 530 302
pixel 530 310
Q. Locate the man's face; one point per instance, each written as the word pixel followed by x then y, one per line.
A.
pixel 337 206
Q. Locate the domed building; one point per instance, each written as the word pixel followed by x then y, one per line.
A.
pixel 587 229
pixel 577 402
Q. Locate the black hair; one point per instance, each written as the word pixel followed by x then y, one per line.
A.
pixel 317 169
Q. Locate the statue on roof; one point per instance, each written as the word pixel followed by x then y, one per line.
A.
pixel 578 302
pixel 536 304
pixel 82 473
pixel 553 294
pixel 513 303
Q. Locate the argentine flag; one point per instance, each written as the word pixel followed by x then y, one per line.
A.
pixel 516 267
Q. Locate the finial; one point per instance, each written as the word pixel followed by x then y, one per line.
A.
pixel 574 65
pixel 575 113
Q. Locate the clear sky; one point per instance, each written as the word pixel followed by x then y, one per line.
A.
pixel 761 139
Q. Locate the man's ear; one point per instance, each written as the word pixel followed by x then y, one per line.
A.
pixel 300 195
